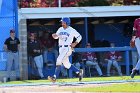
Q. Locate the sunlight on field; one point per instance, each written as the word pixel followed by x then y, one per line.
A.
pixel 127 87
pixel 76 79
pixel 72 85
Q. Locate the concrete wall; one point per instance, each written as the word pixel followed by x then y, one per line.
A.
pixel 23 49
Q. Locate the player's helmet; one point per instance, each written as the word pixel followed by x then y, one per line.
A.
pixel 66 20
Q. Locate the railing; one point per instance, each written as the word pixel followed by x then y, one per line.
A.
pixel 125 49
pixel 74 3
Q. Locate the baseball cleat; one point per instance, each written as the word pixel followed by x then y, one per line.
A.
pixel 133 73
pixel 80 75
pixel 52 79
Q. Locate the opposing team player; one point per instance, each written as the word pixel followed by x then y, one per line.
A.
pixel 136 39
pixel 66 34
pixel 113 57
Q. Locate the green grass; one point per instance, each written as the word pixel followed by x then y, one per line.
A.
pixel 76 80
pixel 127 87
pixel 100 79
pixel 26 82
pixel 120 87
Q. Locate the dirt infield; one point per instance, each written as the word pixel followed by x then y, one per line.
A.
pixel 47 88
pixel 51 88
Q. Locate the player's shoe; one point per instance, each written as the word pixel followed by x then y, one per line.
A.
pixel 52 79
pixel 8 80
pixel 80 75
pixel 134 71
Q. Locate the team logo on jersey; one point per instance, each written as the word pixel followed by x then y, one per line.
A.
pixel 64 33
pixel 13 42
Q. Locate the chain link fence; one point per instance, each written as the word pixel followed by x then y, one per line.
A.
pixel 8 20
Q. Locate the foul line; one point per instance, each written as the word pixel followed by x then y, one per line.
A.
pixel 68 83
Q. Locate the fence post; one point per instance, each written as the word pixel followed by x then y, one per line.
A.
pixel 127 62
pixel 16 15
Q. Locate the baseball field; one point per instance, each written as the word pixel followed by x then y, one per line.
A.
pixel 87 85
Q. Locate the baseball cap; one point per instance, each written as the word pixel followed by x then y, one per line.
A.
pixel 12 31
pixel 66 20
pixel 88 44
pixel 32 34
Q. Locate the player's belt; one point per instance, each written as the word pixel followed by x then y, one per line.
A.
pixel 63 45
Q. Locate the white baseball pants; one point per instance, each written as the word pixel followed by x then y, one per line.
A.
pixel 137 43
pixel 63 58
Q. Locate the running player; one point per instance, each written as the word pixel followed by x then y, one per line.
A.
pixel 136 39
pixel 65 34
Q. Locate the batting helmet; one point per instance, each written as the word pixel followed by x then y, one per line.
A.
pixel 66 20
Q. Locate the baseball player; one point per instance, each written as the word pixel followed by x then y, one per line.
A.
pixel 11 46
pixel 136 39
pixel 112 58
pixel 91 59
pixel 66 34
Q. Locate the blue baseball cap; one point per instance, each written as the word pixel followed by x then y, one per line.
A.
pixel 66 20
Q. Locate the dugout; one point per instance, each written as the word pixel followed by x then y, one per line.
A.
pixel 98 28
pixel 94 23
pixel 100 32
pixel 89 21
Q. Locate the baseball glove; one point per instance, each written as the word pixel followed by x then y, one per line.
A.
pixel 132 44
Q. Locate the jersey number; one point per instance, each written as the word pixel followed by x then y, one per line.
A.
pixel 65 39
